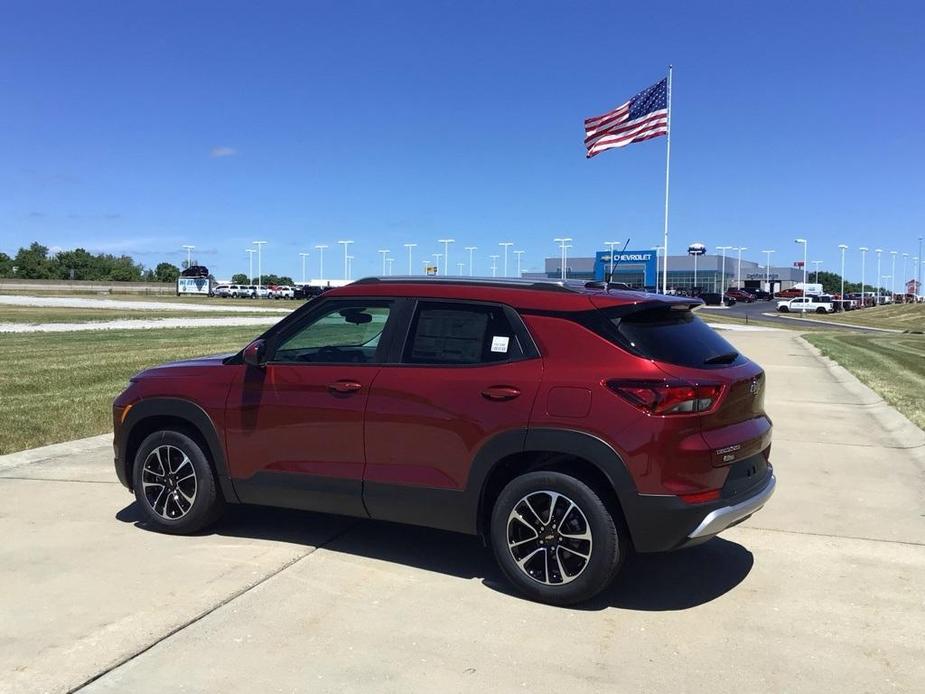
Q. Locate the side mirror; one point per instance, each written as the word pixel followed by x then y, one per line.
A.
pixel 255 354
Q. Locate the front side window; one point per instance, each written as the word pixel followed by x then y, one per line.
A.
pixel 461 334
pixel 344 333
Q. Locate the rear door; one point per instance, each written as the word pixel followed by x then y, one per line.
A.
pixel 468 372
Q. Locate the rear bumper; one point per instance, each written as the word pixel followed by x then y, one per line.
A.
pixel 662 523
pixel 719 519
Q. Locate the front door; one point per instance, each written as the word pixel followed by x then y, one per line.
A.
pixel 294 429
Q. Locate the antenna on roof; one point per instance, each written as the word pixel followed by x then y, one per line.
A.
pixel 613 265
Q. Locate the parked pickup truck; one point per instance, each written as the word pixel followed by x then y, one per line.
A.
pixel 816 304
pixel 281 291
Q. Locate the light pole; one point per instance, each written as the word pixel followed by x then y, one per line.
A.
pixel 189 257
pixel 494 265
pixel 722 289
pixel 259 245
pixel 658 249
pixel 385 253
pixel 918 268
pixel 893 276
pixel 437 257
pixel 321 247
pixel 519 255
pixel 250 264
pixel 817 263
pixel 884 280
pixel 563 245
pixel 863 250
pixel 506 245
pixel 426 265
pixel 805 249
pixel 843 248
pixel 470 249
pixel 767 270
pixel 446 252
pixel 349 266
pixel 878 251
pixel 739 267
pixel 389 262
pixel 903 281
pixel 459 268
pixel 611 245
pixel 304 256
pixel 409 246
pixel 345 245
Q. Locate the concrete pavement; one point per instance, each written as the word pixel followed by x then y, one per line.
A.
pixel 823 590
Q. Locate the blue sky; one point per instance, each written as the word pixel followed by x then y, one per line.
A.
pixel 394 122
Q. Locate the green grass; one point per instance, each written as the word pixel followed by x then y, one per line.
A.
pixel 60 386
pixel 908 317
pixel 892 365
pixel 58 314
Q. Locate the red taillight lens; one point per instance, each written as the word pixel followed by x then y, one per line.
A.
pixel 700 497
pixel 668 397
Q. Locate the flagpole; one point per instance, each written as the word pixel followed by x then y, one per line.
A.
pixel 667 169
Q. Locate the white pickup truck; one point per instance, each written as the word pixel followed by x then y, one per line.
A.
pixel 281 291
pixel 815 304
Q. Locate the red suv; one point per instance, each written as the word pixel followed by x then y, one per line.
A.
pixel 567 425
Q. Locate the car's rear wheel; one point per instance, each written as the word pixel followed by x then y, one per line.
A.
pixel 555 539
pixel 174 483
pixel 821 309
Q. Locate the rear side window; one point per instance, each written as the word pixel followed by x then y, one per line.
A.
pixel 674 337
pixel 459 334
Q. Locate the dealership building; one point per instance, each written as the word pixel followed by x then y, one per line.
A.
pixel 640 268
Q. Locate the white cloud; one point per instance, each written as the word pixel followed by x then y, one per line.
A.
pixel 222 152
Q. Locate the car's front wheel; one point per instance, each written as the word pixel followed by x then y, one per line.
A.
pixel 174 483
pixel 555 539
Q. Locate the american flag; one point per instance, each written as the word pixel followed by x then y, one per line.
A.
pixel 641 118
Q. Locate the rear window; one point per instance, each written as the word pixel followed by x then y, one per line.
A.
pixel 672 336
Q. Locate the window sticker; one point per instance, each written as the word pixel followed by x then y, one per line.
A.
pixel 499 343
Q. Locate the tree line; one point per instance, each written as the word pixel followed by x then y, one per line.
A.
pixel 36 263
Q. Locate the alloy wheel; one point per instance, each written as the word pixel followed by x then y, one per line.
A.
pixel 549 537
pixel 169 482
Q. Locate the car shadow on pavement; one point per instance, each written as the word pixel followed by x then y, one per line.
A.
pixel 648 582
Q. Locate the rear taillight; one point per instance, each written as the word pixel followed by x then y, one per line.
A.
pixel 668 397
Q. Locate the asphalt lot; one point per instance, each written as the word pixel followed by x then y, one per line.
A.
pixel 823 590
pixel 766 311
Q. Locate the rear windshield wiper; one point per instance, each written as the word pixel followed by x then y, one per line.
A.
pixel 726 358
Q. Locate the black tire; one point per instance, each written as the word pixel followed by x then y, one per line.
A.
pixel 179 453
pixel 821 309
pixel 784 309
pixel 606 546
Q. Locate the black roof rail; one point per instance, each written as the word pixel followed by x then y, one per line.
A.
pixel 509 283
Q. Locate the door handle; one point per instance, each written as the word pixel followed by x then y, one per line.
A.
pixel 345 386
pixel 499 393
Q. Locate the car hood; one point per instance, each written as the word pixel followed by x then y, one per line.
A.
pixel 184 367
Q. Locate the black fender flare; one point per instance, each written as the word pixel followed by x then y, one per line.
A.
pixel 544 440
pixel 190 413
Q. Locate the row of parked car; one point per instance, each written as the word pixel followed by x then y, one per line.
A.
pixel 271 291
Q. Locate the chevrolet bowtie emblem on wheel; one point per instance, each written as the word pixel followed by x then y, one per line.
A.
pixel 753 388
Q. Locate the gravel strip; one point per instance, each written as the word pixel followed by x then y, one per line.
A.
pixel 127 324
pixel 80 302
